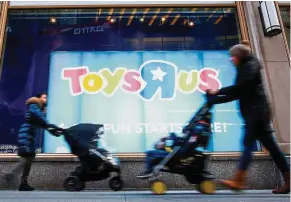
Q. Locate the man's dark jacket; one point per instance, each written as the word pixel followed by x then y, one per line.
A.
pixel 248 89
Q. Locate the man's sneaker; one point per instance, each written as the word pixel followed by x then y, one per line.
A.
pixel 145 175
pixel 25 187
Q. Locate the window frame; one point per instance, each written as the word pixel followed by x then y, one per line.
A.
pixel 242 30
pixel 278 6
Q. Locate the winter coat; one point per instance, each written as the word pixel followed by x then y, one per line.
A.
pixel 248 89
pixel 34 119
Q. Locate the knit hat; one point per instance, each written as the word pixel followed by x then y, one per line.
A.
pixel 241 50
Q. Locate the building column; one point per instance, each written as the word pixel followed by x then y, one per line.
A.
pixel 3 20
pixel 273 53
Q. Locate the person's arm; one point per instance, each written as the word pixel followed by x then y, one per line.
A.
pixel 40 117
pixel 248 74
pixel 38 114
pixel 229 91
pixel 222 99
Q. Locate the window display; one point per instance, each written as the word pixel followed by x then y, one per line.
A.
pixel 142 72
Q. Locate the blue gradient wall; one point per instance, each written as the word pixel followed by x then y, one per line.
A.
pixel 132 123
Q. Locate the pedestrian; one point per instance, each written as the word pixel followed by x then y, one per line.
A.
pixel 255 110
pixel 34 119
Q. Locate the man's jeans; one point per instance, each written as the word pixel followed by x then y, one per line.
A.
pixel 246 157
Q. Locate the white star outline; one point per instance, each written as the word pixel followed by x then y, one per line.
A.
pixel 158 91
pixel 158 74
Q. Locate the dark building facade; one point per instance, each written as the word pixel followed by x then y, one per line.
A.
pixel 141 70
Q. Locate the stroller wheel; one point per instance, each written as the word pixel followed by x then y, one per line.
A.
pixel 207 187
pixel 159 187
pixel 73 183
pixel 82 186
pixel 116 183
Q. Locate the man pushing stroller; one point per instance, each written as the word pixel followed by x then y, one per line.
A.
pixel 255 110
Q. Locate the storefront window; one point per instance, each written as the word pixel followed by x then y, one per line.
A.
pixel 285 14
pixel 140 71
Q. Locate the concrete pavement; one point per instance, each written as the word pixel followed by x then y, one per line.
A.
pixel 140 196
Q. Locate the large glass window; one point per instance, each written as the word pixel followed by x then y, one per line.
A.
pixel 140 71
pixel 285 14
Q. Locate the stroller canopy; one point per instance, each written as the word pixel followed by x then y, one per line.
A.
pixel 80 137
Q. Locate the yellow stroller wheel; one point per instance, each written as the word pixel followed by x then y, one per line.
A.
pixel 159 187
pixel 207 187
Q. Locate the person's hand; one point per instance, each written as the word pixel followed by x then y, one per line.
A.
pixel 55 130
pixel 58 133
pixel 212 92
pixel 160 145
pixel 52 127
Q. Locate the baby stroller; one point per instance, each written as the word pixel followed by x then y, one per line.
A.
pixel 184 158
pixel 96 164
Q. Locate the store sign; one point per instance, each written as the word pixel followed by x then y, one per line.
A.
pixel 152 76
pixel 86 30
pixel 139 96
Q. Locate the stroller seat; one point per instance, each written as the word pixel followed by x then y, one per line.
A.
pixel 184 157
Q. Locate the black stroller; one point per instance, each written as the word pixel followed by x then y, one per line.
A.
pixel 184 158
pixel 96 164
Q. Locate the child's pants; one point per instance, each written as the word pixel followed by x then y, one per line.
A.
pixel 154 154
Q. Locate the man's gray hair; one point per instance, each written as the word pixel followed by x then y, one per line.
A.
pixel 240 50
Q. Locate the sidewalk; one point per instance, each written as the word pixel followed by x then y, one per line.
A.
pixel 140 196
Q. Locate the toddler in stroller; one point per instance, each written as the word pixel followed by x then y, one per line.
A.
pixel 96 164
pixel 181 156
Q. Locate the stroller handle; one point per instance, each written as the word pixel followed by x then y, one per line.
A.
pixel 210 99
pixel 58 131
pixel 65 131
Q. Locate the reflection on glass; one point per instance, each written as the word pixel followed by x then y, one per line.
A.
pixel 109 38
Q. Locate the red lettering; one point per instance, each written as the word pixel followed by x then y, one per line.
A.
pixel 209 79
pixel 73 75
pixel 132 83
